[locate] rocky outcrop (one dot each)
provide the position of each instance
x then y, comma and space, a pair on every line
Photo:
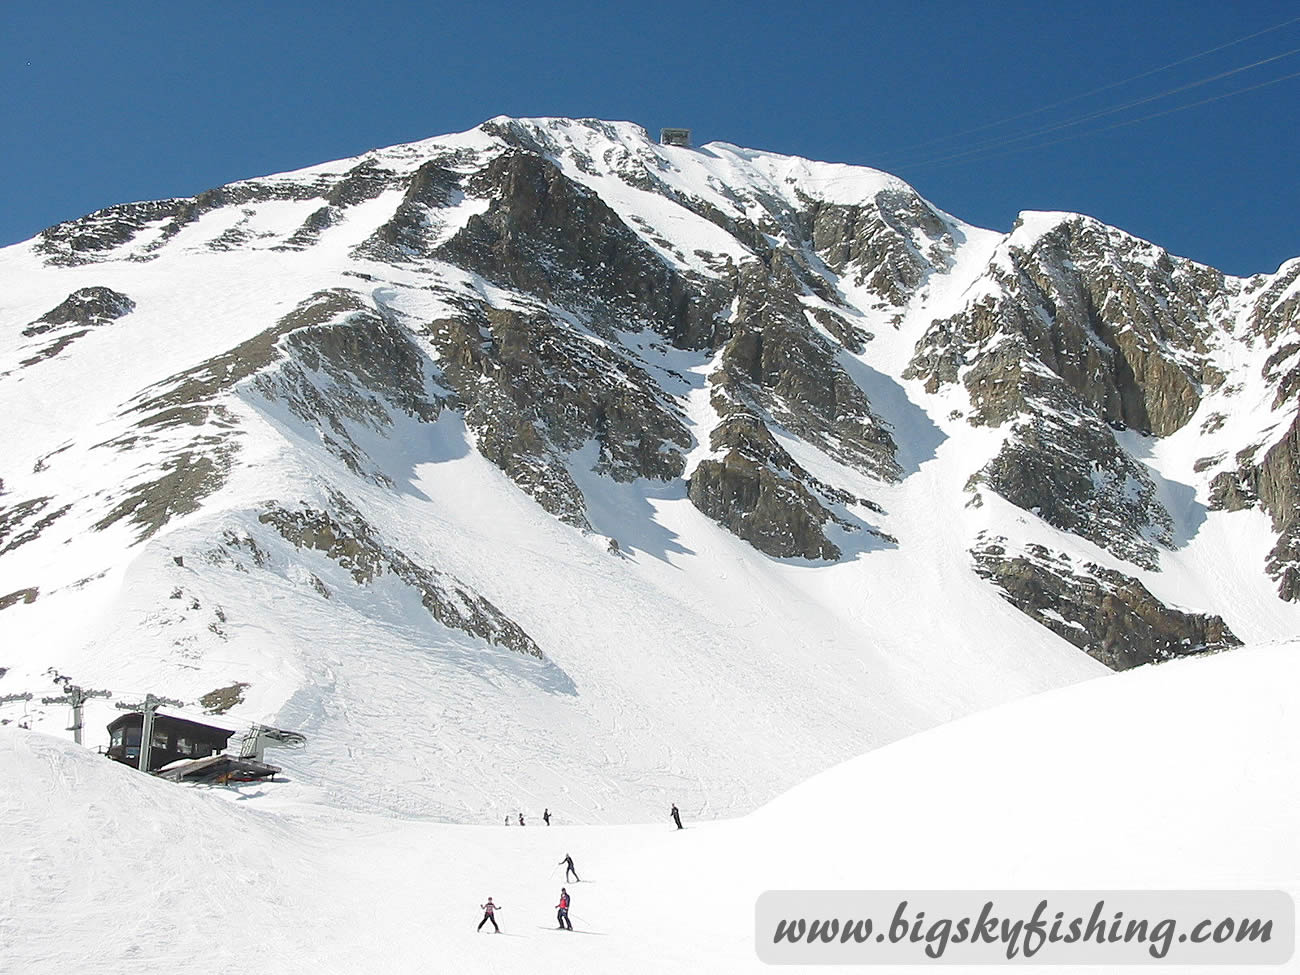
344, 536
1061, 462
106, 234
407, 234
1080, 329
330, 360
23, 522
757, 492
889, 245
174, 488
87, 307
1108, 615
95, 236
776, 364
556, 240
344, 366
774, 513
20, 597
1272, 480
1121, 322
535, 388
74, 317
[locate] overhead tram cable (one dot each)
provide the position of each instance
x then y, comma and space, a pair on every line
981, 148
1114, 125
1097, 91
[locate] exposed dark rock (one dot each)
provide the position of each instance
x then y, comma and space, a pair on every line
535, 388
310, 231
222, 699
774, 513
187, 397
759, 493
363, 182
1110, 616
1062, 463
1087, 329
186, 479
1274, 481
1233, 490
351, 365
849, 335
1119, 321
61, 341
73, 318
13, 599
345, 537
100, 235
775, 362
90, 238
1276, 309
1274, 484
233, 195
406, 234
201, 465
876, 242
547, 236
20, 524
87, 307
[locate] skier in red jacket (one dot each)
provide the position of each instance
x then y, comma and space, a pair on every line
562, 911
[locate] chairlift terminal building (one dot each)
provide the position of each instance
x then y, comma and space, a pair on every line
173, 739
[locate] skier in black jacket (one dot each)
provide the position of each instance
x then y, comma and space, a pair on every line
677, 817
568, 860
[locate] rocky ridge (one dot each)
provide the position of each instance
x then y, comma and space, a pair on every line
567, 286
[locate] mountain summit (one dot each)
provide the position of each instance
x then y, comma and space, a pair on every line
543, 461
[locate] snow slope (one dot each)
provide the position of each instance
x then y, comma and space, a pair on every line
674, 670
689, 667
1182, 776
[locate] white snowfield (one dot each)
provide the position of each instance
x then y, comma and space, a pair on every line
1181, 776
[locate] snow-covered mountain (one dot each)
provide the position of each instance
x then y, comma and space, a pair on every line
544, 465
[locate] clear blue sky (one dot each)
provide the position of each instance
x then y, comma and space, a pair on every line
103, 102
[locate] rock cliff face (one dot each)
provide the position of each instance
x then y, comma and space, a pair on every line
1081, 330
346, 538
72, 318
1108, 615
1267, 471
603, 313
1123, 324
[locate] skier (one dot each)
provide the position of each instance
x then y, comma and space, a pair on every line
677, 817
569, 869
546, 816
507, 819
521, 819
562, 911
489, 910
